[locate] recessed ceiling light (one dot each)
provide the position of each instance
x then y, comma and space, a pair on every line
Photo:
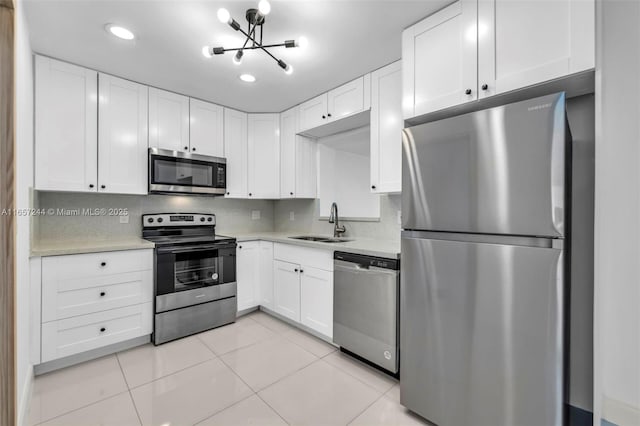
120, 32
247, 78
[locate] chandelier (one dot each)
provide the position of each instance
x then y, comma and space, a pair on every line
255, 19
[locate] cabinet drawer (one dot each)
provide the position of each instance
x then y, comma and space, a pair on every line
79, 334
70, 297
56, 268
321, 259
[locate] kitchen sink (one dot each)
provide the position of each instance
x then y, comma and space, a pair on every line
321, 239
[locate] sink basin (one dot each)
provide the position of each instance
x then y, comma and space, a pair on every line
320, 239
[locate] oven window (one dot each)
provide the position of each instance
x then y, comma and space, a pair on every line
195, 269
182, 172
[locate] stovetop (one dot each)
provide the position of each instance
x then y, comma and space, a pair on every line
181, 229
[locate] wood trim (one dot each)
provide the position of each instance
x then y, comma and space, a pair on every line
7, 223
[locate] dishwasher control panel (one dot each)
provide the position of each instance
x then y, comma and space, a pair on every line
367, 261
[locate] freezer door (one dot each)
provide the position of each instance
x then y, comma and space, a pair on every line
496, 171
481, 339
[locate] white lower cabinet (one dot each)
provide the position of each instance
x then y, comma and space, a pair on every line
286, 289
95, 299
303, 286
71, 336
254, 273
316, 300
266, 274
247, 274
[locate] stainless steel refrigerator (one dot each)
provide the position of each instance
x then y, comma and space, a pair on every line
484, 282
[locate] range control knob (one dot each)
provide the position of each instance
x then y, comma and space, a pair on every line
209, 219
214, 276
150, 220
202, 219
160, 220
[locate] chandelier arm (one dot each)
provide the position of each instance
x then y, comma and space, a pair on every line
256, 47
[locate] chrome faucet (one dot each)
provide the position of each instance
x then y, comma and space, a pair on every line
333, 218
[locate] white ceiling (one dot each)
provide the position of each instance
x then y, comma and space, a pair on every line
346, 39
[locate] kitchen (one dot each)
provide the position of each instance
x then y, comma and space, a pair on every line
209, 226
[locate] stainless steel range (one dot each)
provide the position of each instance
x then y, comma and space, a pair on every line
194, 276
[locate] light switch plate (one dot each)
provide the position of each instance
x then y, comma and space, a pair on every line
399, 217
124, 218
255, 214
292, 216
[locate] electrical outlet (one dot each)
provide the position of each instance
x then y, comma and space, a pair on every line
292, 216
124, 218
399, 217
255, 214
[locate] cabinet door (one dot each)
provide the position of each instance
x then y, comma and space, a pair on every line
439, 60
235, 148
386, 129
313, 113
66, 126
286, 289
288, 154
527, 42
306, 167
264, 155
248, 274
168, 120
266, 274
348, 99
122, 136
206, 128
316, 300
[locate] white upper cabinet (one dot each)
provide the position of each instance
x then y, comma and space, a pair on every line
386, 129
439, 57
206, 128
122, 136
313, 113
346, 100
168, 120
235, 148
349, 98
297, 159
522, 43
478, 48
66, 126
263, 155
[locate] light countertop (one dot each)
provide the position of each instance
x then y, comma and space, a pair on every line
367, 246
63, 246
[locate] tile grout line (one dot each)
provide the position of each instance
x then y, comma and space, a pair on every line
171, 374
274, 410
357, 378
135, 407
80, 408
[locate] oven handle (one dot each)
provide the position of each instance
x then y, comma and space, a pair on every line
192, 249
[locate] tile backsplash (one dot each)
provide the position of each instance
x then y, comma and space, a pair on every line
233, 216
306, 218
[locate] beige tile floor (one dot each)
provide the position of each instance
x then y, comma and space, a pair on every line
258, 371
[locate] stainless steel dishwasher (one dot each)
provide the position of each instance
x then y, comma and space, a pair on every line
365, 308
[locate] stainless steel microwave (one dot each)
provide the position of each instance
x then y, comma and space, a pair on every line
185, 173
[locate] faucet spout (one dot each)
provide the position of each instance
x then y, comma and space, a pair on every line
333, 218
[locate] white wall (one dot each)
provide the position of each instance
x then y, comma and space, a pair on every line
617, 214
344, 175
24, 180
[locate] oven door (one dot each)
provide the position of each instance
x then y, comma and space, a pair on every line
190, 275
174, 171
